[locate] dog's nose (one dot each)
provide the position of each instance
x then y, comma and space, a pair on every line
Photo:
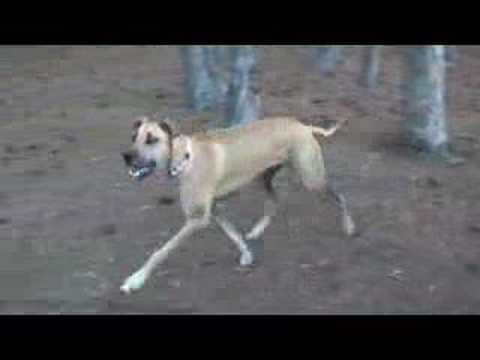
128, 158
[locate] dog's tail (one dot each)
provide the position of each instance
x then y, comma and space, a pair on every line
317, 130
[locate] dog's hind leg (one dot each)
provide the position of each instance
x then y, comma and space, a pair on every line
270, 205
348, 225
261, 225
308, 162
236, 236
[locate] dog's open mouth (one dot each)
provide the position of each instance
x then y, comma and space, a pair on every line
139, 173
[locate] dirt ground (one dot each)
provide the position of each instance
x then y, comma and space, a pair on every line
73, 226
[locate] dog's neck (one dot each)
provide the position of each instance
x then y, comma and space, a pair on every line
181, 156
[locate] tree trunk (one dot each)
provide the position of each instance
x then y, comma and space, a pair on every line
371, 66
451, 55
199, 86
327, 58
244, 103
216, 57
426, 122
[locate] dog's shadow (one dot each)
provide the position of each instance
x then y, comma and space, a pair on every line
165, 201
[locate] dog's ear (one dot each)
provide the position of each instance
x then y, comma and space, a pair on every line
139, 121
169, 126
136, 125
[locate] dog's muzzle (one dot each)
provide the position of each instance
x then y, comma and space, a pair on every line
139, 170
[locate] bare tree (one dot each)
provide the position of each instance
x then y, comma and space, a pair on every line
216, 58
370, 66
426, 117
451, 55
327, 58
244, 103
199, 85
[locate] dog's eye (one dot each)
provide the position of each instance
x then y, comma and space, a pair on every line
151, 139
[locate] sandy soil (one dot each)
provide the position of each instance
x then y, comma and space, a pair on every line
72, 225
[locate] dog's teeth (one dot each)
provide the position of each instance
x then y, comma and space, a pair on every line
134, 173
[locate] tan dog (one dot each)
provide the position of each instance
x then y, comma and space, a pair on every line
214, 164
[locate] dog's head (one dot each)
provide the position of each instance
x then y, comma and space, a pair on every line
151, 147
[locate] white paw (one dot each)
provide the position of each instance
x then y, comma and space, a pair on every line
134, 282
349, 226
246, 259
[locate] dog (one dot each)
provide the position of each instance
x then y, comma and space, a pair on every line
211, 165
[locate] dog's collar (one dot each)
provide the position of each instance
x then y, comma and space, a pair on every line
177, 170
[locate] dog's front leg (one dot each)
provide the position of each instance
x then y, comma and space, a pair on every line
138, 279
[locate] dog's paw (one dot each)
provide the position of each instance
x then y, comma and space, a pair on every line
349, 226
134, 282
246, 259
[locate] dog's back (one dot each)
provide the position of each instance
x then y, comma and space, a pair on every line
262, 127
244, 152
